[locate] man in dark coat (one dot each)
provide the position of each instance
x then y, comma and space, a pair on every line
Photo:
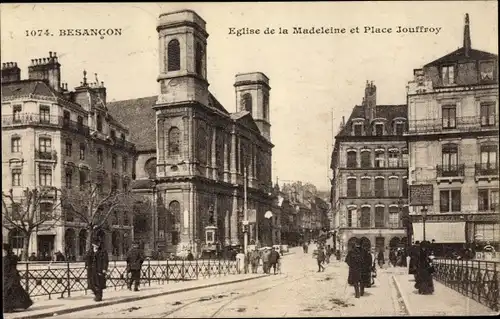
414, 252
96, 262
273, 259
354, 259
135, 258
320, 258
14, 295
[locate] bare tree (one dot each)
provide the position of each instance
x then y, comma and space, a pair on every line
36, 207
93, 207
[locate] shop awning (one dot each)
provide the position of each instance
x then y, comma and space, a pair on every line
441, 232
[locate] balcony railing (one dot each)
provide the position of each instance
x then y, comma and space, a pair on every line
45, 154
464, 123
49, 120
486, 169
450, 170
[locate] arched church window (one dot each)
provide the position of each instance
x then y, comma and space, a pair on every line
199, 59
175, 211
202, 146
174, 55
174, 140
150, 168
246, 102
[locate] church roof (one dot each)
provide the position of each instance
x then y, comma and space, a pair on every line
213, 102
238, 115
460, 55
388, 112
140, 118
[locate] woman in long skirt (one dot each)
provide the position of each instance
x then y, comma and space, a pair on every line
425, 269
14, 296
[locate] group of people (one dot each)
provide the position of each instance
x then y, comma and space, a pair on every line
323, 255
362, 270
270, 259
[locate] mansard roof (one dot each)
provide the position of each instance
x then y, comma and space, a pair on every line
460, 55
140, 118
389, 112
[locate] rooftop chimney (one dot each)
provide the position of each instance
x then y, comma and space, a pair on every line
46, 69
370, 100
10, 72
467, 41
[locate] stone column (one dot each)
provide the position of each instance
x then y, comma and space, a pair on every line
227, 149
234, 220
161, 137
234, 170
227, 226
214, 151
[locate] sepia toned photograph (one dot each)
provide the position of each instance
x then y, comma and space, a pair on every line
250, 159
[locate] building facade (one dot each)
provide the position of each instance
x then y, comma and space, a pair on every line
453, 144
58, 138
202, 153
370, 163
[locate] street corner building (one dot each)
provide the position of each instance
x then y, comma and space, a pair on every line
181, 149
369, 184
194, 156
453, 144
58, 138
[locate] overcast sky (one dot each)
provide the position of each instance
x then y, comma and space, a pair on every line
312, 76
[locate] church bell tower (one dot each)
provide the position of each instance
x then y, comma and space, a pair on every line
183, 60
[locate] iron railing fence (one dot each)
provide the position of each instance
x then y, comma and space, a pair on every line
476, 279
486, 169
45, 120
62, 278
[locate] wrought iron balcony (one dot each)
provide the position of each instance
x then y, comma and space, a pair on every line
44, 120
464, 124
45, 154
451, 170
486, 169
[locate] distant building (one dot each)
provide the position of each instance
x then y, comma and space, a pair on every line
370, 163
192, 152
61, 138
453, 143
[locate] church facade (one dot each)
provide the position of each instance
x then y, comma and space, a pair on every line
203, 154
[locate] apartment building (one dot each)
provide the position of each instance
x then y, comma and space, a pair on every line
369, 185
58, 138
453, 144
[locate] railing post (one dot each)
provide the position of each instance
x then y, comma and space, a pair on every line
149, 272
219, 268
168, 271
69, 283
182, 269
496, 294
208, 267
479, 275
27, 277
196, 265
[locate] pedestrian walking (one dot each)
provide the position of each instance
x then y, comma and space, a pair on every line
265, 260
320, 258
135, 259
304, 247
14, 296
354, 260
328, 253
274, 258
424, 283
414, 252
380, 259
32, 257
254, 260
96, 262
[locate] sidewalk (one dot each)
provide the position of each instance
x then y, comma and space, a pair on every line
48, 308
444, 302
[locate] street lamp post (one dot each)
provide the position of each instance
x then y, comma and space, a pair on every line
424, 218
268, 215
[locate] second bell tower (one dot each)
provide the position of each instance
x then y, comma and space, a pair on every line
183, 60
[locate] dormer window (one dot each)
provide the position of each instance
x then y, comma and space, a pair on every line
486, 71
399, 128
379, 129
357, 129
448, 74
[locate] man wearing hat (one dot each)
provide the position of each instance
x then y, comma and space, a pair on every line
96, 262
354, 260
135, 258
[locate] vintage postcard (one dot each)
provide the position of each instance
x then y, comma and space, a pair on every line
230, 159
